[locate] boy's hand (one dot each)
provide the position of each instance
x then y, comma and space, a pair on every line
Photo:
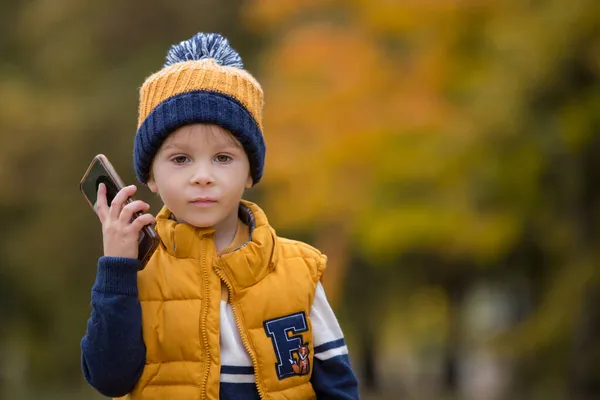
119, 233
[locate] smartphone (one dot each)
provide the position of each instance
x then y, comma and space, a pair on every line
102, 171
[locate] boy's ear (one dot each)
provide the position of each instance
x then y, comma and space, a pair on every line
152, 185
249, 182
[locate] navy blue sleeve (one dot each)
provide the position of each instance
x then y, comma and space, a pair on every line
113, 353
334, 379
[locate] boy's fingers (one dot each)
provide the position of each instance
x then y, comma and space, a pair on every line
117, 204
101, 206
141, 221
132, 208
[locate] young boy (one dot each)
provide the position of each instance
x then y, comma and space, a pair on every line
224, 308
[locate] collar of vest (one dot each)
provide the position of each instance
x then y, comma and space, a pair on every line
242, 267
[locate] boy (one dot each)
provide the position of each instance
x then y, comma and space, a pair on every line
224, 308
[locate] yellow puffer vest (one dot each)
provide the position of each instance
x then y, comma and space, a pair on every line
271, 283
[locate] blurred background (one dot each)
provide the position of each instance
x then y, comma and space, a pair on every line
445, 154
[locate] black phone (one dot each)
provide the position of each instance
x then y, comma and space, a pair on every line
102, 171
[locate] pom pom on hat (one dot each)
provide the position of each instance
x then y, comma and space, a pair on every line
204, 45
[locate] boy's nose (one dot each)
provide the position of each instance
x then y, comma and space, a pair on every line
202, 177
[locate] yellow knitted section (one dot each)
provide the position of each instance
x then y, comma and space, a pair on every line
204, 74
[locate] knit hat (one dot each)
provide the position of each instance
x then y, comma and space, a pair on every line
202, 81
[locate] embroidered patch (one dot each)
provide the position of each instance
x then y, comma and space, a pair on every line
290, 348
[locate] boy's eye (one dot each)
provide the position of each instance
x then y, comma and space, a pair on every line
179, 159
222, 158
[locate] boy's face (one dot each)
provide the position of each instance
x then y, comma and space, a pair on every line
200, 173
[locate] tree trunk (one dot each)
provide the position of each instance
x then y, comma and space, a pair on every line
585, 356
368, 357
455, 290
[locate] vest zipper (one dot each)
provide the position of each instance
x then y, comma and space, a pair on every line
242, 334
206, 299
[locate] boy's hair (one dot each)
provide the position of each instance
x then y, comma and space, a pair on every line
202, 81
230, 137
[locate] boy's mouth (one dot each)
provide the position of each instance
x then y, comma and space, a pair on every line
203, 201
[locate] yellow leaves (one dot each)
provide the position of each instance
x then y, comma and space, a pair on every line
40, 17
338, 116
409, 120
32, 121
391, 17
17, 102
324, 69
26, 106
450, 229
578, 131
267, 14
326, 95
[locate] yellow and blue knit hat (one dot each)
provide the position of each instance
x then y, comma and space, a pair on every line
202, 81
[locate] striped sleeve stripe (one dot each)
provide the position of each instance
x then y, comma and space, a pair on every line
330, 345
230, 378
237, 374
326, 355
236, 370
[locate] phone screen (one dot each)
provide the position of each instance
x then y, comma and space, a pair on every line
111, 189
96, 176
